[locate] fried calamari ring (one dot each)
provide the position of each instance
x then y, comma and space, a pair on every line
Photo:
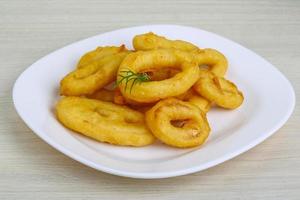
191, 129
136, 85
194, 98
99, 53
214, 60
102, 95
104, 121
150, 41
92, 77
219, 90
211, 58
157, 75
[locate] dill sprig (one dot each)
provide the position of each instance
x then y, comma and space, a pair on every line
135, 78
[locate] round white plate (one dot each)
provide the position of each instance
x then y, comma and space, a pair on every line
269, 101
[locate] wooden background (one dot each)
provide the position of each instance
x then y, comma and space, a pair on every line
31, 169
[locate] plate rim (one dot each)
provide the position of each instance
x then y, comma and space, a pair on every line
156, 175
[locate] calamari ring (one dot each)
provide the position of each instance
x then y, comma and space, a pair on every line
157, 75
98, 53
103, 95
219, 90
104, 121
213, 59
152, 91
191, 130
150, 41
92, 77
194, 98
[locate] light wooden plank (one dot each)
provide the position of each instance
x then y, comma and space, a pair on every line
31, 169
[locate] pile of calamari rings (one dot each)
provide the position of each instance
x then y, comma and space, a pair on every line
160, 91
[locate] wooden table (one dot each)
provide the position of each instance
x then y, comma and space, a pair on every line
31, 169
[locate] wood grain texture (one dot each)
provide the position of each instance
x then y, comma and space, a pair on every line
31, 169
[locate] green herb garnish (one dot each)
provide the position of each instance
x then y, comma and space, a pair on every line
135, 78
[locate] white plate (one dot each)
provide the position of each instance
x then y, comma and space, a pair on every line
269, 101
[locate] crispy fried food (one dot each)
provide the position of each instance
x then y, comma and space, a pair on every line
98, 53
163, 86
92, 77
150, 41
212, 59
219, 90
135, 84
194, 98
102, 95
178, 123
104, 121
